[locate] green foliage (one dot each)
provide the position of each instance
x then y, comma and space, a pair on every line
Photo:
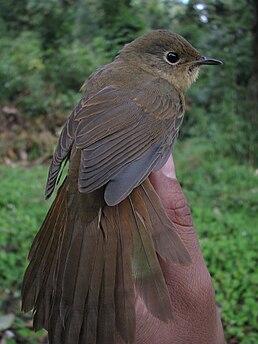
21, 69
125, 29
52, 20
67, 68
22, 208
223, 93
39, 85
224, 199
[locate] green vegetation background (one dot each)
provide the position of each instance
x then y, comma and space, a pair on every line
49, 48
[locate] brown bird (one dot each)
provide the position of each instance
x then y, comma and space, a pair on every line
99, 243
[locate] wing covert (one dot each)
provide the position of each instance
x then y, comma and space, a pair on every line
123, 135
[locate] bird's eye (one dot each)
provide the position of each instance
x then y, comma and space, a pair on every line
172, 57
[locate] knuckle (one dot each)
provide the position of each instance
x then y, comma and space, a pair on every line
180, 212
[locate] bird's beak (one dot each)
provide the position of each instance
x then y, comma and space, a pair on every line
207, 61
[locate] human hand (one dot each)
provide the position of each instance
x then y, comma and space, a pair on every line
195, 316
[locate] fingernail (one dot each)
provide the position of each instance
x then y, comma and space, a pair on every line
169, 170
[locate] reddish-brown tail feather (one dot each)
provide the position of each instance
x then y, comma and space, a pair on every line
85, 270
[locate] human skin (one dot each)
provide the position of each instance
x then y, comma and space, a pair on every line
196, 319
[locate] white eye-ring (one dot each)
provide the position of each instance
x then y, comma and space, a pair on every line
171, 57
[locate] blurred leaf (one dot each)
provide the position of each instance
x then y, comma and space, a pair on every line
6, 321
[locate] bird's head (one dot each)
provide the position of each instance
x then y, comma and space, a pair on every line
168, 55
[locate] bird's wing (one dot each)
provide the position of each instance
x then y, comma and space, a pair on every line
124, 135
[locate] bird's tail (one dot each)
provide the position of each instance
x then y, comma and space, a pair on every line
83, 276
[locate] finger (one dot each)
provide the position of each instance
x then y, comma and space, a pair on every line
174, 201
180, 278
190, 287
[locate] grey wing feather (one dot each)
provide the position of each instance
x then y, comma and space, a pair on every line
124, 140
123, 135
130, 177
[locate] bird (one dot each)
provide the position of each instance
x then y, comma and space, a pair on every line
100, 243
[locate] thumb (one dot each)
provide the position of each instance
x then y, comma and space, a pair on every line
175, 203
190, 287
181, 280
173, 199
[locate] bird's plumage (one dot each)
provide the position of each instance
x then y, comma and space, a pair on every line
98, 245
